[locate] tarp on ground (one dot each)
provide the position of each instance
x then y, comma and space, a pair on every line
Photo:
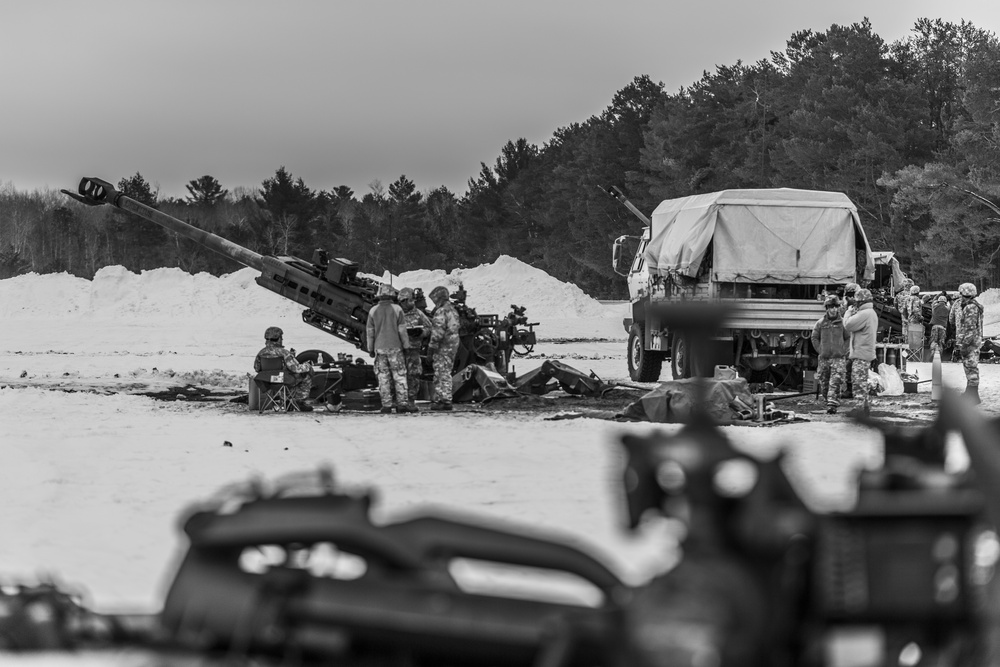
553, 375
766, 235
674, 401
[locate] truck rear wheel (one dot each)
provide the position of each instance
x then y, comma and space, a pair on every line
680, 357
643, 365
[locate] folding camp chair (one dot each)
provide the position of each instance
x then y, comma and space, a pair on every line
275, 384
915, 349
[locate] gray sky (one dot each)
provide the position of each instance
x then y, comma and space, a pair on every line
353, 92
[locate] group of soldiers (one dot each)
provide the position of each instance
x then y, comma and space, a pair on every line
845, 338
396, 334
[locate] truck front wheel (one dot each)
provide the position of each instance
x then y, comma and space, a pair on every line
643, 365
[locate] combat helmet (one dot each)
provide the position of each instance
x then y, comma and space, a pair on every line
385, 291
915, 289
863, 296
273, 334
832, 302
440, 294
967, 289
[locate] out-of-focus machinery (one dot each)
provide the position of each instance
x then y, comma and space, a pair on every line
336, 298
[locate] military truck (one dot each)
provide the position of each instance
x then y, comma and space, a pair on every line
770, 254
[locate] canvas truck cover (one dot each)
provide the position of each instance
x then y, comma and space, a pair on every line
776, 235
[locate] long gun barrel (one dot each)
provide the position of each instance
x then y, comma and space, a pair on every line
620, 196
336, 299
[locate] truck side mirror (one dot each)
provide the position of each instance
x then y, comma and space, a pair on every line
616, 256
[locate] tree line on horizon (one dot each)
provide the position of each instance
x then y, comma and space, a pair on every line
910, 131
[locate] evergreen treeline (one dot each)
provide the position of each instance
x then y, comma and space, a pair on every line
909, 130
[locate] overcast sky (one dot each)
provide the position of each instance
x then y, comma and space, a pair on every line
346, 93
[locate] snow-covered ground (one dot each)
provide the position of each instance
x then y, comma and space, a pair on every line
95, 479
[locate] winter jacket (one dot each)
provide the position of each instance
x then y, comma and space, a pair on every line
939, 315
386, 328
969, 326
830, 338
862, 324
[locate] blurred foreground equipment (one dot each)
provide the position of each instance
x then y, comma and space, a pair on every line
765, 581
336, 298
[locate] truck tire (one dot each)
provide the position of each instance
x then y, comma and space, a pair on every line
680, 357
643, 365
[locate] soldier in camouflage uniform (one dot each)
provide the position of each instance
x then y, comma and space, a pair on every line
387, 342
861, 322
418, 328
969, 337
443, 346
913, 308
902, 297
274, 348
850, 290
831, 340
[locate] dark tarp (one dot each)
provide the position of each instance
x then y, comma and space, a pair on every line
553, 375
673, 402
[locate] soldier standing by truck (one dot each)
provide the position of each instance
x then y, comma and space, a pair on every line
969, 337
832, 342
861, 321
443, 346
418, 328
387, 341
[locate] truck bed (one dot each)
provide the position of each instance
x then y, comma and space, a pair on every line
764, 314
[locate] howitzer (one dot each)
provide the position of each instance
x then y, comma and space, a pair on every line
337, 300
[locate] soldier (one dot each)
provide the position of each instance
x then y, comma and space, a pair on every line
861, 321
913, 307
418, 328
387, 341
939, 323
443, 346
969, 337
850, 290
902, 296
274, 348
832, 341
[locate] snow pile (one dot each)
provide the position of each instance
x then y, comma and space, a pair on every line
118, 294
492, 288
990, 297
48, 295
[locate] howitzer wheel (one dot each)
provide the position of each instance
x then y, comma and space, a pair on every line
484, 345
521, 348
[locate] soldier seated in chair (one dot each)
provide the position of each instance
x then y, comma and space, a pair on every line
274, 348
